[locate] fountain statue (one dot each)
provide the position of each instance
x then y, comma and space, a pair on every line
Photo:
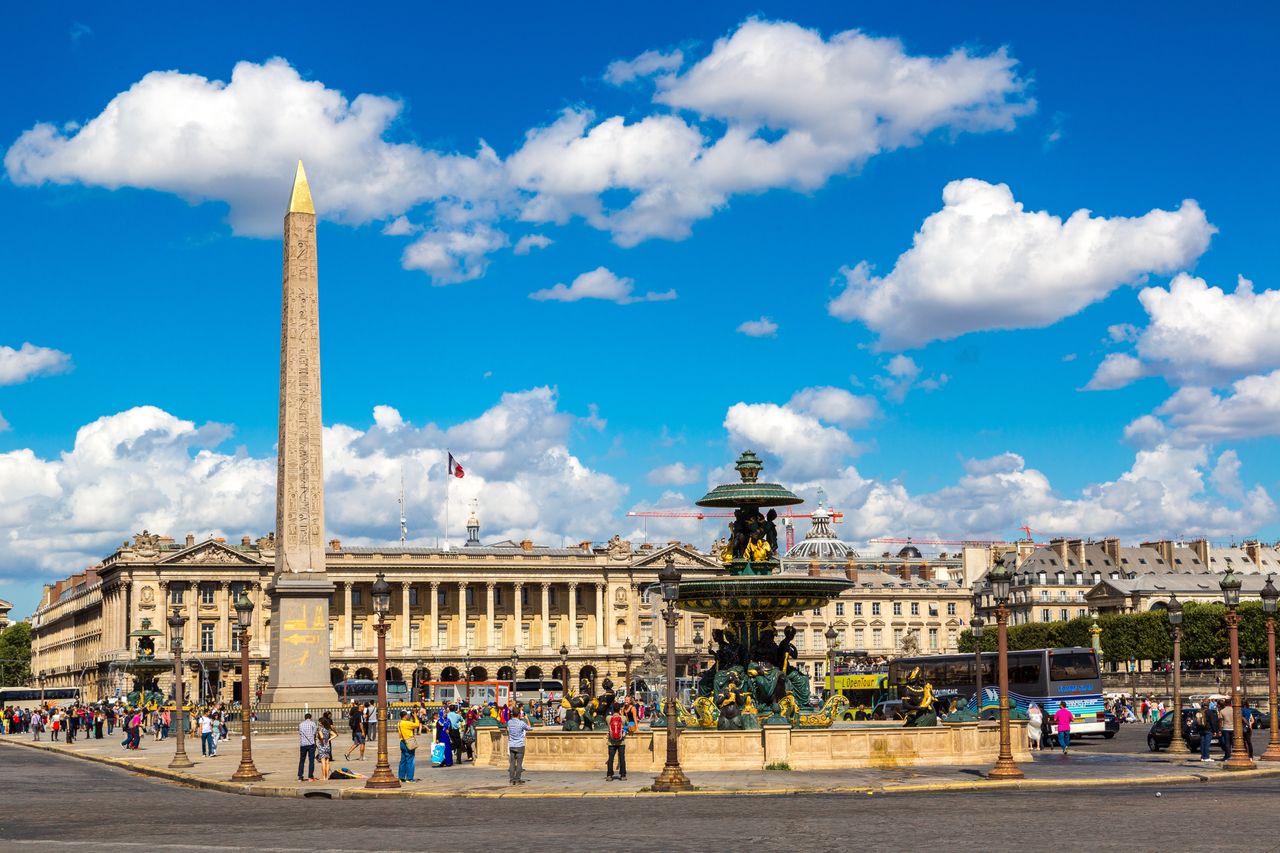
146, 669
754, 680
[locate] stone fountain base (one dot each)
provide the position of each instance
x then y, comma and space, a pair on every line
857, 746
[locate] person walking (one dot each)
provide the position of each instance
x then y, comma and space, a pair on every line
1207, 723
1227, 726
208, 746
324, 743
1248, 719
617, 745
455, 733
442, 741
355, 719
517, 728
1035, 721
1063, 717
409, 728
370, 721
307, 748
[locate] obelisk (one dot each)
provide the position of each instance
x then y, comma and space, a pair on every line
300, 589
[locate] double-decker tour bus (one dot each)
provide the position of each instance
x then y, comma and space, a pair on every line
861, 679
1043, 676
31, 697
366, 690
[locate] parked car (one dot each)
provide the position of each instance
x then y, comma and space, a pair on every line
1160, 736
1112, 725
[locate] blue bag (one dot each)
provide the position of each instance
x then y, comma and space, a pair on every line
437, 752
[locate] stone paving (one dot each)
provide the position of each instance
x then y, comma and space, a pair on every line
276, 757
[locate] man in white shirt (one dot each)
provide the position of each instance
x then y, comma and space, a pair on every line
207, 745
517, 727
307, 747
370, 720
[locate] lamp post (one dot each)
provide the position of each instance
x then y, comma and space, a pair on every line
515, 667
671, 778
1001, 579
1269, 597
1174, 612
466, 666
382, 776
564, 670
626, 658
976, 624
246, 772
1230, 585
180, 760
419, 681
345, 670
698, 640
832, 640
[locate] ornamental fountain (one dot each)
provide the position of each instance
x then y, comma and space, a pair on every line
754, 680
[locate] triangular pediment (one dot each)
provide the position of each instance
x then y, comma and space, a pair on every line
684, 557
211, 553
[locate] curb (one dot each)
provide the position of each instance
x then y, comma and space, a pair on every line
976, 785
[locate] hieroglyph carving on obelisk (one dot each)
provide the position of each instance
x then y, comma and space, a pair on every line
300, 471
300, 589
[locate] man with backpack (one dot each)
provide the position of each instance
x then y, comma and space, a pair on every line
617, 744
1209, 725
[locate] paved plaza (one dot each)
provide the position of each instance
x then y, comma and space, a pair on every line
67, 804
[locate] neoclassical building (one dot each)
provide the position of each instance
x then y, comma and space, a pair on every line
476, 604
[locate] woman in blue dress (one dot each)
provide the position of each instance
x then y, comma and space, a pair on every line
443, 736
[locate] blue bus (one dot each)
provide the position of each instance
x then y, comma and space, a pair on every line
1043, 676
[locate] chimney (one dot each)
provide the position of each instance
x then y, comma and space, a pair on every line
221, 539
526, 545
244, 541
1111, 547
1059, 547
1163, 547
851, 571
904, 572
1201, 547
585, 545
1077, 551
335, 544
191, 539
814, 569
1254, 550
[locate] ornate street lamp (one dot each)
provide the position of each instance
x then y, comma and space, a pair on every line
382, 776
1001, 580
515, 668
1270, 595
1230, 585
698, 640
1174, 613
564, 670
466, 667
176, 623
833, 640
246, 772
627, 657
419, 680
671, 778
976, 624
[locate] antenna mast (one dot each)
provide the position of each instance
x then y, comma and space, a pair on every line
404, 528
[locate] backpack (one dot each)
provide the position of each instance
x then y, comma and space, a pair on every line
616, 728
1200, 719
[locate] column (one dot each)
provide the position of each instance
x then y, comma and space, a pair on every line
404, 614
488, 617
546, 616
223, 643
162, 595
573, 617
261, 610
344, 642
462, 615
433, 624
600, 618
517, 589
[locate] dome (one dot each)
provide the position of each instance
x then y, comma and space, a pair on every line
820, 543
911, 552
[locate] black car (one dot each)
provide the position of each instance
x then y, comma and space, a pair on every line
1161, 733
1112, 725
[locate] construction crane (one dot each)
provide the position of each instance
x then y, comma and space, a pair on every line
836, 518
910, 541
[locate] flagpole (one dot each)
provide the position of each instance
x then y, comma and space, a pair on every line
448, 475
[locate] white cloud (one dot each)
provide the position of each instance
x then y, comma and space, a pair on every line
400, 227
647, 64
983, 262
146, 468
1250, 409
1117, 370
599, 283
451, 256
529, 242
674, 474
1122, 333
806, 447
1226, 475
902, 375
30, 361
762, 328
835, 406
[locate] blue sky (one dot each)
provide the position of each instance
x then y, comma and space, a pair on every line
1002, 358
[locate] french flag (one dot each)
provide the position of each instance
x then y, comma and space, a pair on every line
454, 468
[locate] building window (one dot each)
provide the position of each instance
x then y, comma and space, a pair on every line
497, 595
1046, 615
471, 597
442, 597
1062, 614
553, 634
357, 599
646, 632
877, 638
235, 638
915, 608
471, 635
581, 633
206, 636
577, 596
951, 608
1044, 595
897, 608
551, 596
413, 596
858, 638
413, 636
897, 638
1079, 612
645, 593
175, 593
524, 635
357, 636
442, 636
875, 608
817, 611
800, 641
524, 596
951, 639
933, 638
819, 640
497, 634
206, 594
1062, 595
839, 608
857, 608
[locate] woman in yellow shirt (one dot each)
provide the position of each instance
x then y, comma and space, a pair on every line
409, 727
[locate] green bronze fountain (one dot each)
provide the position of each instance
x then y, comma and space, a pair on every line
754, 680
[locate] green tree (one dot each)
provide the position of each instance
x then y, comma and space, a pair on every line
15, 654
1204, 631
